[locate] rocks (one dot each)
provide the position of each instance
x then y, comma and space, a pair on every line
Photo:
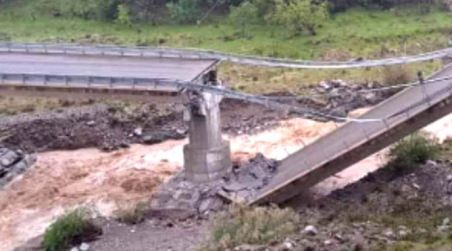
447, 5
249, 178
12, 164
310, 230
389, 234
138, 131
181, 199
160, 136
341, 97
84, 247
402, 233
247, 247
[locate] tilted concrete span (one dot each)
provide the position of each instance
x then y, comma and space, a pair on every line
400, 116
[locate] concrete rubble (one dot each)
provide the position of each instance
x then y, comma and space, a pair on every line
180, 198
249, 178
12, 164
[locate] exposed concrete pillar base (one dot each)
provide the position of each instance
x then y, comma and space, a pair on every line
207, 165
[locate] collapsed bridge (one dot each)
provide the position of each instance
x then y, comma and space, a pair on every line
190, 77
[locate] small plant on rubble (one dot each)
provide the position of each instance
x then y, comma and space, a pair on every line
70, 229
412, 151
252, 225
397, 75
132, 214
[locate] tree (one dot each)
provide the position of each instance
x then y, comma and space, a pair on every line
123, 16
242, 16
300, 15
184, 11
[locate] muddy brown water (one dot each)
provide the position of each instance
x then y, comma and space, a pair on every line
61, 180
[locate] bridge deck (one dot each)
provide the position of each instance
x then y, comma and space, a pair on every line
355, 141
103, 66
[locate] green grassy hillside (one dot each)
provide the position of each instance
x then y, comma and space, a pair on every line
347, 35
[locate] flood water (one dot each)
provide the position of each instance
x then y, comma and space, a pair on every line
61, 180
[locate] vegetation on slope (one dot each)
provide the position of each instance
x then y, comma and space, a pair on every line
70, 229
355, 33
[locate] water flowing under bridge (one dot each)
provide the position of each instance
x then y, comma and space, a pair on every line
143, 72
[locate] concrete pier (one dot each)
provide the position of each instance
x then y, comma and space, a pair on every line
207, 157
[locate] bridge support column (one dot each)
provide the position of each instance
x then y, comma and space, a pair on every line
207, 157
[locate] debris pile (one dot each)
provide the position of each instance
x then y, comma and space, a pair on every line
180, 199
12, 164
341, 97
246, 180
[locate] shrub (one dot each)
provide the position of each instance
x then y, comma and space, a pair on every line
242, 16
132, 215
396, 75
123, 16
70, 229
259, 225
87, 9
184, 11
300, 15
412, 151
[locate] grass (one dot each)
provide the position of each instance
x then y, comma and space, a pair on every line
413, 151
132, 215
70, 229
254, 226
352, 34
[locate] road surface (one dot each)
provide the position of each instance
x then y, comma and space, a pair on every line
104, 66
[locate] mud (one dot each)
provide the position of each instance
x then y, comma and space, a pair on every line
101, 126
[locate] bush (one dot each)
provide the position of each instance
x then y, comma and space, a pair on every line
412, 151
123, 16
86, 9
396, 75
259, 225
69, 230
242, 16
299, 15
184, 11
132, 215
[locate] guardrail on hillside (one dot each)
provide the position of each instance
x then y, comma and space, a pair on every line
112, 50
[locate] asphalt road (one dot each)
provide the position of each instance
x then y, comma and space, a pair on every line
105, 66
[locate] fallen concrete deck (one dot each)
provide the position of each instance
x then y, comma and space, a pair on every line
401, 115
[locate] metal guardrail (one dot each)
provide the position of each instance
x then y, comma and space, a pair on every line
112, 50
168, 85
114, 83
